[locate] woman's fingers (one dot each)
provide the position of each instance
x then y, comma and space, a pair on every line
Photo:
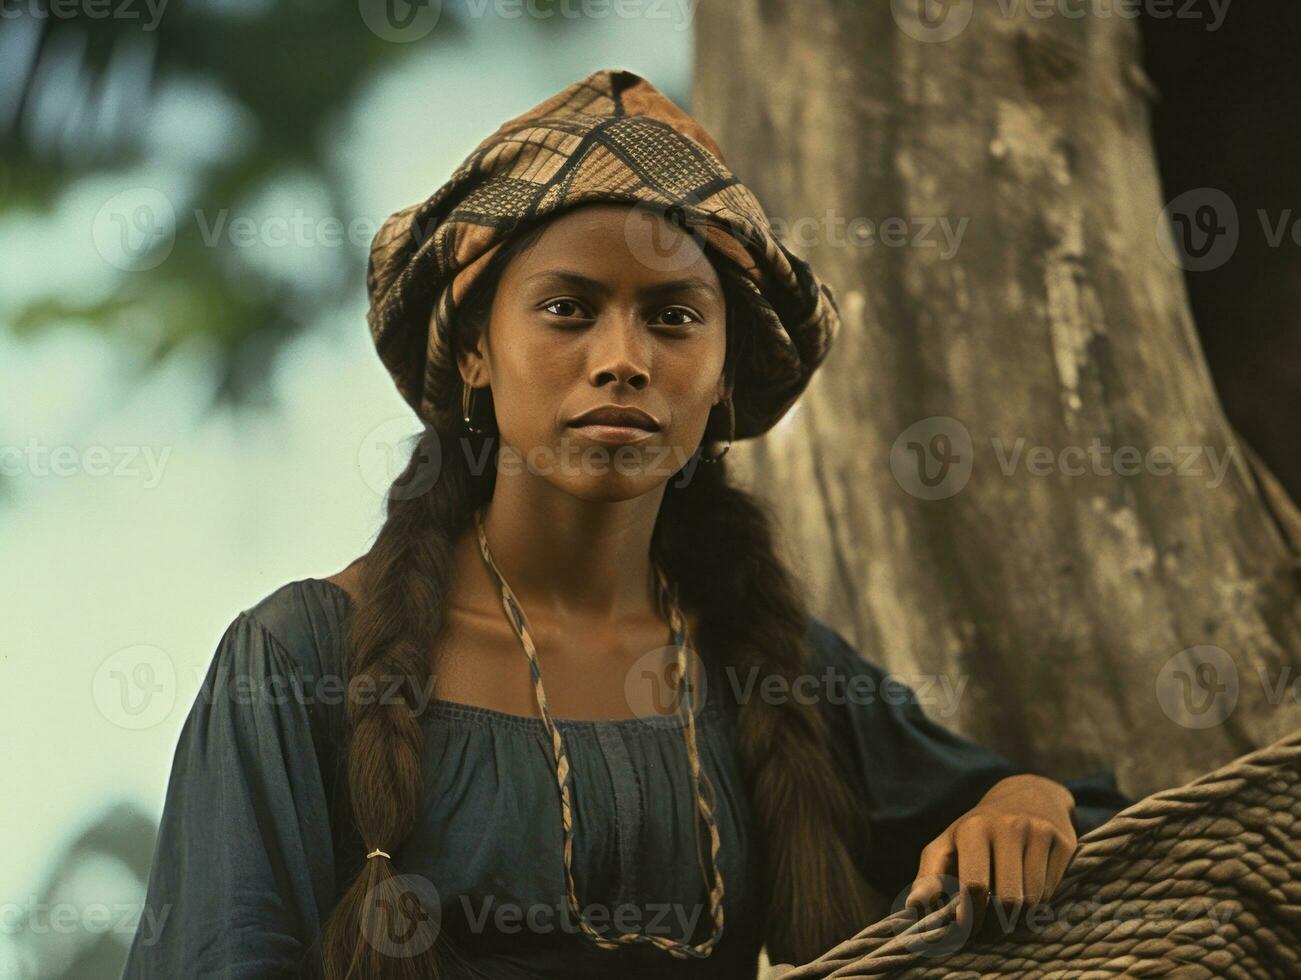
1009, 879
973, 845
1013, 863
1036, 868
1059, 858
935, 861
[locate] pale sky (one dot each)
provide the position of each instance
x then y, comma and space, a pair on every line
198, 518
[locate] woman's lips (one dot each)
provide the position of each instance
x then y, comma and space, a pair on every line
618, 435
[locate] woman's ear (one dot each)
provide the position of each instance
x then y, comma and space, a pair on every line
473, 368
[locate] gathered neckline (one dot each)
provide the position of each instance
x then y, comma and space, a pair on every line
442, 707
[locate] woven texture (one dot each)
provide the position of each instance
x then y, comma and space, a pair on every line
610, 137
1199, 881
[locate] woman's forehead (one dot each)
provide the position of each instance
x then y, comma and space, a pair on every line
611, 242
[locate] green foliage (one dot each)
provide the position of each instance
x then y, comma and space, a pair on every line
290, 67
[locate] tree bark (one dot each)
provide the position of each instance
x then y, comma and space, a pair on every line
1061, 591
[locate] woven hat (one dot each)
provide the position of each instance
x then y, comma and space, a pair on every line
610, 137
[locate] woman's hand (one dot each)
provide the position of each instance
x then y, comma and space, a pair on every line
1013, 846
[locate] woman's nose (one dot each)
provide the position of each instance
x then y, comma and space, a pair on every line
620, 349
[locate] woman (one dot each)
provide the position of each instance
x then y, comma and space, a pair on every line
591, 296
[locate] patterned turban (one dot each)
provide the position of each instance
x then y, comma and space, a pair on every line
610, 137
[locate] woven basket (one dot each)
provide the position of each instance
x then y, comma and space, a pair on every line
1199, 881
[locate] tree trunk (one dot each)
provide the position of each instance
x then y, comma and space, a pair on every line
1065, 585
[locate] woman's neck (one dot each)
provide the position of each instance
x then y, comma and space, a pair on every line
564, 556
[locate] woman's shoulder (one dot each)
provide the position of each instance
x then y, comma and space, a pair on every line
306, 618
829, 647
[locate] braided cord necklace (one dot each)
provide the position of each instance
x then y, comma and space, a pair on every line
667, 596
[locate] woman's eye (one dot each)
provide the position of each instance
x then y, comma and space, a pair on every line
679, 312
564, 303
568, 308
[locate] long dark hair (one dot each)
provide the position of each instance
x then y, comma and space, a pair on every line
716, 542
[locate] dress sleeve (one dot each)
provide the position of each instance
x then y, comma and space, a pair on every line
243, 866
913, 775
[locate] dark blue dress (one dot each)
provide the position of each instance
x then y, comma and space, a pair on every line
255, 843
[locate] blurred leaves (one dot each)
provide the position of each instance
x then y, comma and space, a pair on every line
106, 864
86, 95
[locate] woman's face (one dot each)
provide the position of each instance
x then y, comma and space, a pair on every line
610, 306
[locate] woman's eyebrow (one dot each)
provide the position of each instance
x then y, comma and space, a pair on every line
578, 280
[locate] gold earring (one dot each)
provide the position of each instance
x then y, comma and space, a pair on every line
467, 393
